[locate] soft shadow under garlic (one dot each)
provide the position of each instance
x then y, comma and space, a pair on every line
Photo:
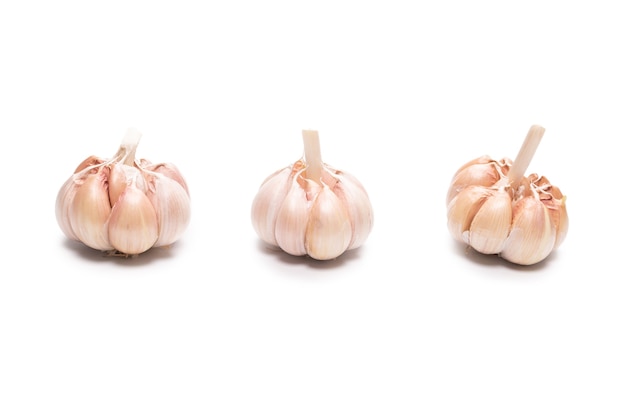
96, 256
494, 260
288, 259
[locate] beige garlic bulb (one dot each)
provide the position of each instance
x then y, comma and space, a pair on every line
310, 208
123, 205
495, 209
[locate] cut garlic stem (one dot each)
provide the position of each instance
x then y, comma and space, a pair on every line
312, 156
525, 154
129, 145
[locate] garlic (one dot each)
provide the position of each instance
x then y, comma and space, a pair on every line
310, 208
122, 205
495, 209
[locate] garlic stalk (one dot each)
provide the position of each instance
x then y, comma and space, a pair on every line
310, 208
123, 205
495, 209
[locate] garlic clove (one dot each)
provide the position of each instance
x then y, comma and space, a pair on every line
328, 230
117, 183
463, 208
66, 195
560, 219
554, 201
532, 234
491, 225
291, 221
481, 171
121, 176
90, 209
171, 203
355, 198
267, 203
483, 159
168, 170
133, 225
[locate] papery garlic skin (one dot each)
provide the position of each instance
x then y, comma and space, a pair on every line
122, 205
523, 219
321, 215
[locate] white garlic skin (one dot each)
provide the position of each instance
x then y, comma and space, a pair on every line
124, 208
304, 217
522, 223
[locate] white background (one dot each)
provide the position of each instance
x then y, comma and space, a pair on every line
402, 94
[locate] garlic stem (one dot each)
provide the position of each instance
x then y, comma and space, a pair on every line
312, 156
525, 154
129, 146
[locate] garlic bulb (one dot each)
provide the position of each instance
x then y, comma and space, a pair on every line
122, 205
495, 209
310, 208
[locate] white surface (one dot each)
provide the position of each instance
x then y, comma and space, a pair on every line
402, 94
